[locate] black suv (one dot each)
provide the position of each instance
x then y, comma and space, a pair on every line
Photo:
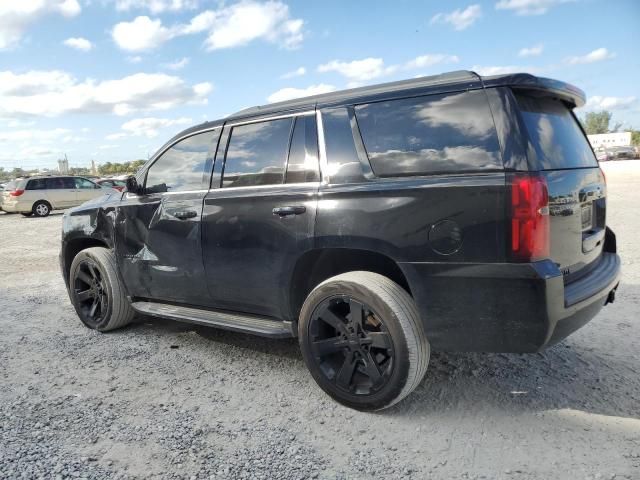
454, 212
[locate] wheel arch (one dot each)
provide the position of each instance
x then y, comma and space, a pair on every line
72, 248
317, 265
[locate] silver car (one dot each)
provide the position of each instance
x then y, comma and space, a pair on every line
40, 195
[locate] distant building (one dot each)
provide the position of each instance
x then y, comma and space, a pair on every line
94, 168
63, 166
615, 139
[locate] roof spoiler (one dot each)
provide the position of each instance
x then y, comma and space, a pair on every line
542, 85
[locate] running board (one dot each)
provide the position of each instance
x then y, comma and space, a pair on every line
263, 326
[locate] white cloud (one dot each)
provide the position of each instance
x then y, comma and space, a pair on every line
134, 59
228, 27
459, 19
156, 6
596, 55
533, 51
17, 15
358, 70
502, 69
298, 72
52, 92
149, 126
42, 136
141, 34
289, 92
78, 43
20, 123
609, 103
178, 64
424, 61
115, 136
529, 7
246, 21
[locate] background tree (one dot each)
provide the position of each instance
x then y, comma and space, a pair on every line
597, 122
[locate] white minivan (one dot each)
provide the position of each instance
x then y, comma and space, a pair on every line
40, 195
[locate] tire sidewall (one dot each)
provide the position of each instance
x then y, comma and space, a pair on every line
75, 265
361, 293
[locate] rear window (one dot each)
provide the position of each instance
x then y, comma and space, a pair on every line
433, 134
555, 134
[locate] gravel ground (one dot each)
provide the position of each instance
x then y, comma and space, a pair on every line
166, 400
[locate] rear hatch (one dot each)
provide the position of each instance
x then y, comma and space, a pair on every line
8, 188
575, 183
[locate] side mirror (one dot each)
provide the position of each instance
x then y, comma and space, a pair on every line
132, 185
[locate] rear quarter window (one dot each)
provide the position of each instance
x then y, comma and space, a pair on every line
448, 133
555, 135
37, 184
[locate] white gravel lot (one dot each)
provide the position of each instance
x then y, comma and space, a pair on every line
168, 400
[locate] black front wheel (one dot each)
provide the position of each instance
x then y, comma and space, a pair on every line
96, 290
362, 340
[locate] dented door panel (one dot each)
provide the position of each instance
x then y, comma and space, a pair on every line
159, 248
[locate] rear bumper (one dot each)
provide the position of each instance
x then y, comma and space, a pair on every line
507, 307
15, 207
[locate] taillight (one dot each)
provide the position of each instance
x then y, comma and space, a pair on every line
529, 218
16, 193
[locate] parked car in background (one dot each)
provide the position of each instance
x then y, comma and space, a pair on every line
39, 195
113, 183
622, 153
603, 155
374, 224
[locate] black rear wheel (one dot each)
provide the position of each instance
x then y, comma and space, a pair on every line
362, 340
351, 345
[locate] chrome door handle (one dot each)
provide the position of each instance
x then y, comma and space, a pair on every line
183, 215
289, 210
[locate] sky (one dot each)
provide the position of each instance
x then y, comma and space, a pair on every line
112, 80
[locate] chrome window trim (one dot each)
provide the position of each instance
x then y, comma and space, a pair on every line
268, 119
270, 186
322, 150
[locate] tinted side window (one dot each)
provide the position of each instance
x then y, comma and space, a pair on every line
84, 183
303, 154
60, 183
342, 156
37, 184
257, 154
181, 167
555, 134
433, 134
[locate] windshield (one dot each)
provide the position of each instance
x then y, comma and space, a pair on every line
556, 135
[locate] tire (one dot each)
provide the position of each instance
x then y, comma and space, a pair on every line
370, 360
94, 280
41, 209
27, 214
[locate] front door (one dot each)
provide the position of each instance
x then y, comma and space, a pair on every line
260, 219
158, 232
87, 190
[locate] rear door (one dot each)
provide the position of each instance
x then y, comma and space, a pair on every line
158, 232
577, 189
259, 219
61, 192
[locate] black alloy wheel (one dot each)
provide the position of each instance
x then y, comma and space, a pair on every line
91, 292
351, 345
